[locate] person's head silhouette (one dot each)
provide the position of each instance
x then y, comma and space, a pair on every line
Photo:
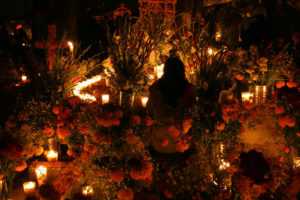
174, 68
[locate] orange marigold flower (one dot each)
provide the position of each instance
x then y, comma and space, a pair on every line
38, 150
135, 119
291, 84
62, 132
168, 194
57, 109
21, 166
239, 77
165, 142
129, 131
117, 175
186, 125
225, 117
285, 149
74, 100
282, 122
220, 126
140, 169
298, 134
290, 120
1, 176
182, 145
148, 121
280, 84
48, 131
115, 122
173, 131
126, 194
279, 110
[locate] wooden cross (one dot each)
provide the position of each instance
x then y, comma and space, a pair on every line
50, 44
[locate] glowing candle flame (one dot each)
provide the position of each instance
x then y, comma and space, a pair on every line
144, 101
51, 155
71, 46
41, 174
88, 190
24, 78
247, 96
29, 187
80, 86
105, 98
159, 70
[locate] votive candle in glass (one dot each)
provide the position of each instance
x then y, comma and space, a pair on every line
144, 101
105, 98
29, 188
51, 155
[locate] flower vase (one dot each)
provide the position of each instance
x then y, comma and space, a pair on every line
260, 94
126, 98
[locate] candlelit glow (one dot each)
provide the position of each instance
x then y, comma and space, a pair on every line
51, 155
41, 174
80, 86
24, 78
296, 162
105, 98
29, 187
223, 164
71, 46
210, 51
260, 95
159, 70
247, 97
218, 36
144, 101
88, 190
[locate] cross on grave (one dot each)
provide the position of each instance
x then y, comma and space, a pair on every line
50, 44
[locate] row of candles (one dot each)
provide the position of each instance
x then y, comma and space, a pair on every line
259, 96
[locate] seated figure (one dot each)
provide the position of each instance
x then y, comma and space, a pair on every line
169, 97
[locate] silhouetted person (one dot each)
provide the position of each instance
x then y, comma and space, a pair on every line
169, 97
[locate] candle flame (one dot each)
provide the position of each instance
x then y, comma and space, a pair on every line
80, 86
70, 44
41, 171
210, 51
29, 185
88, 190
24, 78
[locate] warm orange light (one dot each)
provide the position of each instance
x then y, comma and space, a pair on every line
105, 98
87, 191
29, 187
144, 101
80, 86
247, 97
41, 174
159, 70
24, 78
51, 155
71, 46
210, 51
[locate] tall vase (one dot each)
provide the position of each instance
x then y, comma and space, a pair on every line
260, 94
126, 98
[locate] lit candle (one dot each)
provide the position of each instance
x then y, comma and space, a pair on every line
159, 70
105, 98
29, 188
218, 36
51, 155
144, 101
71, 46
87, 191
210, 51
247, 97
24, 78
296, 162
41, 174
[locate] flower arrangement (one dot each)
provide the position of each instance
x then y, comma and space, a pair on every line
129, 50
261, 68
